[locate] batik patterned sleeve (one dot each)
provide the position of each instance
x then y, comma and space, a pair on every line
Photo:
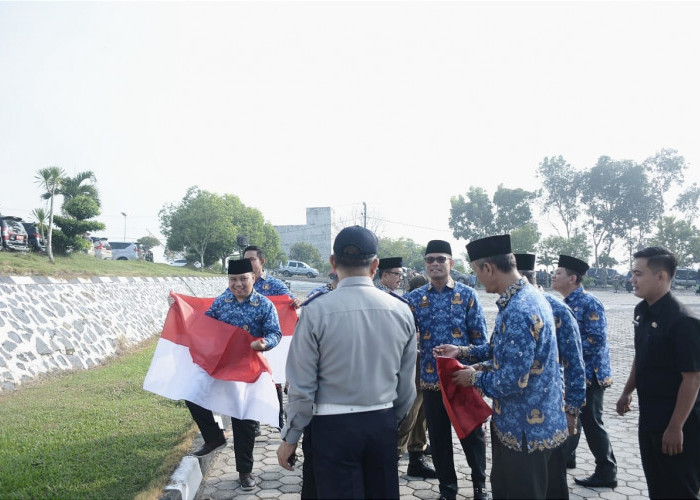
571, 357
595, 330
514, 342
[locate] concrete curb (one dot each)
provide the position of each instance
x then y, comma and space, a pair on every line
187, 478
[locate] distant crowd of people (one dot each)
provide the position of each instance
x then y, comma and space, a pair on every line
364, 385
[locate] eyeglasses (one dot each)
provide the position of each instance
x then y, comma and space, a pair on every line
440, 260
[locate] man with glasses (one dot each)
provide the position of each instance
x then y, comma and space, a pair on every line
447, 312
390, 272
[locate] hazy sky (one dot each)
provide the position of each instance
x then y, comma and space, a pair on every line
299, 104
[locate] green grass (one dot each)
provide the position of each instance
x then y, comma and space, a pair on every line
83, 266
91, 434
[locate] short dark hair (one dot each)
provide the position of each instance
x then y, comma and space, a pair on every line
259, 251
571, 272
351, 263
504, 262
659, 259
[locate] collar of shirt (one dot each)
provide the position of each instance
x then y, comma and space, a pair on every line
450, 284
503, 300
656, 309
355, 280
575, 294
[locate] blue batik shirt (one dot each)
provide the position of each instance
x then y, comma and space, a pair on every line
570, 356
451, 316
267, 285
256, 315
590, 315
524, 380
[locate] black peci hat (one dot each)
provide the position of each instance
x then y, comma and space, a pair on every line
489, 247
390, 262
241, 266
576, 265
438, 246
355, 242
525, 261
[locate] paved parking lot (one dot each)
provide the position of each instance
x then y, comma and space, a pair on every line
221, 479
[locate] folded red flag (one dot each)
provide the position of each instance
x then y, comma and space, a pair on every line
465, 406
222, 350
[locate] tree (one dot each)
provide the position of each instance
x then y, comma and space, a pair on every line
50, 179
524, 239
42, 222
551, 247
560, 184
512, 209
687, 201
411, 252
148, 242
306, 252
207, 225
199, 220
82, 184
472, 217
680, 237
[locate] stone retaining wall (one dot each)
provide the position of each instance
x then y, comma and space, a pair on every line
48, 324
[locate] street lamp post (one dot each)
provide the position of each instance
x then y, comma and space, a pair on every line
124, 214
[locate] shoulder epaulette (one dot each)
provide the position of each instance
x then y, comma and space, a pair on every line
315, 296
393, 294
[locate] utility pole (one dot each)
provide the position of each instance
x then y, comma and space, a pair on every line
364, 213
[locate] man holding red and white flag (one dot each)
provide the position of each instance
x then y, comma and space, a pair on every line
213, 360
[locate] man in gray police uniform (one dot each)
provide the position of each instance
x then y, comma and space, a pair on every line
351, 366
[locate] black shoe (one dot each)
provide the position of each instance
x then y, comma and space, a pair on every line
257, 429
480, 493
247, 481
418, 467
207, 448
596, 481
571, 463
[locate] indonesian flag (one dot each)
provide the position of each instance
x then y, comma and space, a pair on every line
465, 406
277, 357
210, 363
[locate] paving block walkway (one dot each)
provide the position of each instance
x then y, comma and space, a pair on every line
221, 479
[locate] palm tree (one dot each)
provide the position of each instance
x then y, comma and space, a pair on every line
80, 184
50, 179
41, 221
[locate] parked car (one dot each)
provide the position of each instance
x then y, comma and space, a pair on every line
36, 242
297, 268
123, 250
597, 274
103, 250
13, 235
684, 277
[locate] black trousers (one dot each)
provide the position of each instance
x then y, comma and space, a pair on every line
440, 432
354, 455
591, 419
243, 434
205, 421
519, 474
308, 480
676, 476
